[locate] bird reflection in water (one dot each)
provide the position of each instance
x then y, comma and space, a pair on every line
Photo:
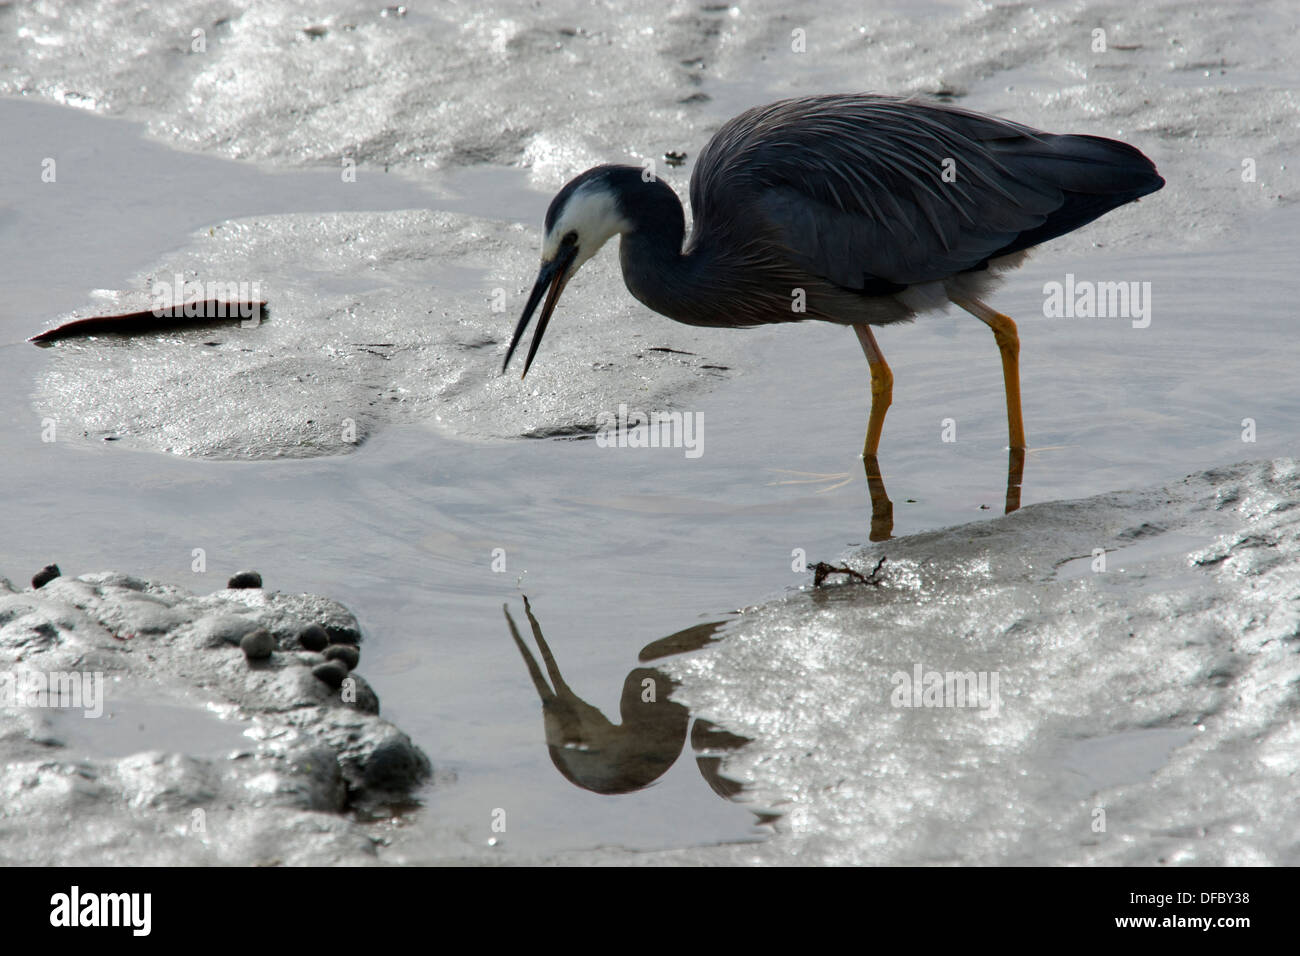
882, 509
594, 753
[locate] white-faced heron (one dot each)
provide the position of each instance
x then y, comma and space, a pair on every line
875, 207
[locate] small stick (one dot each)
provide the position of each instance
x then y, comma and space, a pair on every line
822, 570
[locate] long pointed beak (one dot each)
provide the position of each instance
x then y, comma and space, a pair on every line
553, 275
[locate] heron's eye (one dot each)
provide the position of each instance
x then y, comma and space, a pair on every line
570, 238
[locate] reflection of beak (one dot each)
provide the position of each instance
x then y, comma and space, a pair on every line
553, 274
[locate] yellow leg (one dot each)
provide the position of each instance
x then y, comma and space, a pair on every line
1008, 339
882, 389
1015, 477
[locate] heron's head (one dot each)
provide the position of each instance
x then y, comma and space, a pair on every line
582, 217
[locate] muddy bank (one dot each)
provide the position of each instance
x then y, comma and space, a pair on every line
373, 319
1134, 696
144, 724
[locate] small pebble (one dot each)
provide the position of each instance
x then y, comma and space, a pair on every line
331, 672
45, 575
313, 637
257, 645
344, 653
245, 579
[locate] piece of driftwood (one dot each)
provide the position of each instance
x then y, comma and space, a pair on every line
821, 571
184, 316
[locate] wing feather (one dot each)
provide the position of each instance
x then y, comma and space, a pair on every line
851, 188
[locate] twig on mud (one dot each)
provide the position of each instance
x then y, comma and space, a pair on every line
822, 570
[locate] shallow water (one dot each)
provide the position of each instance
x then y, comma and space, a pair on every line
615, 548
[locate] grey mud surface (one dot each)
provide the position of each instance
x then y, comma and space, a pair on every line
374, 318
1155, 693
1158, 696
394, 318
284, 766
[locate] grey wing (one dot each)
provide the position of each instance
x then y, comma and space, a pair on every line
865, 190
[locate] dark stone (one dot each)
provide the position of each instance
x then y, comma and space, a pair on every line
344, 654
395, 764
313, 637
45, 575
331, 673
245, 579
257, 645
343, 635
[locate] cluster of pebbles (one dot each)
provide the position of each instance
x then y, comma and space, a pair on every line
340, 652
339, 649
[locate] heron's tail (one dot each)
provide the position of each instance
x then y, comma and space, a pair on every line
1092, 165
1094, 174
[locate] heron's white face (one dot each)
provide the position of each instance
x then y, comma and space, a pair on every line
592, 215
581, 218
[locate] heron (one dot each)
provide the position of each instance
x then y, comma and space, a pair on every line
859, 209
